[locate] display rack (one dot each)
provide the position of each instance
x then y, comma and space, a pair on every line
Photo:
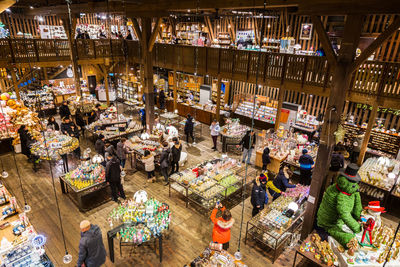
224, 40
42, 101
127, 90
386, 142
274, 225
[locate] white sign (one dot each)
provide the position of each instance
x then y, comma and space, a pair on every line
52, 32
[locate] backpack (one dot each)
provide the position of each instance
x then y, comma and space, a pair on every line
335, 162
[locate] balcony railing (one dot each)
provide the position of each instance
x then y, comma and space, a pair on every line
251, 66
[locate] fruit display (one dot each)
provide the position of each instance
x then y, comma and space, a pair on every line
380, 172
86, 175
143, 220
55, 145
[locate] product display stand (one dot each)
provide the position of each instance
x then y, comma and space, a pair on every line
307, 254
274, 238
87, 198
113, 234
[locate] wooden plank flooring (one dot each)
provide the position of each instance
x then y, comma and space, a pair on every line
190, 231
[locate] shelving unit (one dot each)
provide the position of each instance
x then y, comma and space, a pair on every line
188, 32
386, 142
42, 97
224, 39
264, 112
186, 83
126, 90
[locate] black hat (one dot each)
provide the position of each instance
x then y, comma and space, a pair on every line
101, 136
351, 173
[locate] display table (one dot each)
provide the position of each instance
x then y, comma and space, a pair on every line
272, 227
209, 182
169, 118
86, 186
307, 254
232, 133
138, 146
143, 220
222, 258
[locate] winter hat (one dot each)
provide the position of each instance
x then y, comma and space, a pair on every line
263, 178
101, 136
304, 151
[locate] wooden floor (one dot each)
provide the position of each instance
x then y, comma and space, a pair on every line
190, 231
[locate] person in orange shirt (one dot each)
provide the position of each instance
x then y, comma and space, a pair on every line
222, 226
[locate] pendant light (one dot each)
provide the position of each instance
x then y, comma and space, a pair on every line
4, 173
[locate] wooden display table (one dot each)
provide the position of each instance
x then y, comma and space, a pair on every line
306, 254
275, 164
89, 197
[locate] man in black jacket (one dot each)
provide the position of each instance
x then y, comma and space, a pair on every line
113, 177
258, 195
164, 162
189, 128
246, 147
91, 248
64, 110
69, 128
265, 158
99, 145
176, 150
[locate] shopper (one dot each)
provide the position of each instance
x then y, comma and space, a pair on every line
259, 195
149, 167
80, 121
129, 35
189, 128
113, 177
281, 182
164, 162
52, 124
215, 129
26, 141
222, 226
265, 158
79, 34
99, 145
142, 113
86, 35
91, 248
337, 163
161, 98
109, 150
92, 116
357, 142
176, 150
64, 110
68, 127
306, 164
101, 35
247, 148
122, 151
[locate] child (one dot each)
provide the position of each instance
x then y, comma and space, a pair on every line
148, 161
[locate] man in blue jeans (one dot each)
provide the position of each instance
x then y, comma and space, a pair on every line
306, 164
249, 137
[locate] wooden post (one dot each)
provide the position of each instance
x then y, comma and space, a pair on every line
15, 82
105, 75
148, 72
175, 91
70, 31
281, 95
340, 84
371, 121
218, 108
45, 73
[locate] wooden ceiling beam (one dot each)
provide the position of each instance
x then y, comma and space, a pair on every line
324, 39
4, 4
392, 28
57, 73
136, 29
154, 34
210, 29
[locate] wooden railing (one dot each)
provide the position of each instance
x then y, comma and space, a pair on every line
250, 66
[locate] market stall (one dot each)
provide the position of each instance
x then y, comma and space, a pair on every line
211, 181
140, 220
138, 146
54, 146
216, 257
232, 133
86, 185
276, 224
20, 245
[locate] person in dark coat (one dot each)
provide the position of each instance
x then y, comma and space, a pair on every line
52, 124
306, 164
161, 98
245, 143
176, 150
80, 121
129, 36
69, 128
113, 177
189, 125
281, 182
64, 110
26, 141
265, 159
92, 117
164, 162
122, 151
258, 195
337, 163
91, 248
142, 113
99, 145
